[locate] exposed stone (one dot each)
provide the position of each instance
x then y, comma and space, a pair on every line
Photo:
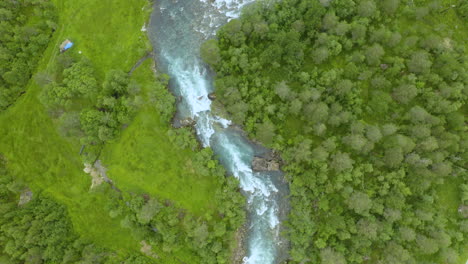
384, 66
447, 43
187, 122
463, 210
25, 196
265, 164
96, 178
97, 173
212, 96
147, 250
239, 252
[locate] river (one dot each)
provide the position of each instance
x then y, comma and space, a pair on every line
177, 29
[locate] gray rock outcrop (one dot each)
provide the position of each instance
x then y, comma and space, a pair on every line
187, 122
212, 96
266, 163
25, 196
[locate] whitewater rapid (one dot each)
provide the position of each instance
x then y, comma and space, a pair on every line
178, 28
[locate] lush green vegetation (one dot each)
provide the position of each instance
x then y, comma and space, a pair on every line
40, 230
25, 30
29, 139
178, 234
84, 109
147, 150
366, 101
97, 114
167, 192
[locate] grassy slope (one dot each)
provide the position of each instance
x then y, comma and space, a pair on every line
46, 162
142, 160
29, 140
107, 32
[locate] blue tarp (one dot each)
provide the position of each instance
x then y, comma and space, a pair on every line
68, 45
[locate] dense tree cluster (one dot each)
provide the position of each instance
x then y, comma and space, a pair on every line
366, 102
41, 232
95, 113
173, 230
25, 30
462, 8
162, 99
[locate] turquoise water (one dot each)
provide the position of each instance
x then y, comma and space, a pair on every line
178, 27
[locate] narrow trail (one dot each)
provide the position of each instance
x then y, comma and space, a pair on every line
148, 55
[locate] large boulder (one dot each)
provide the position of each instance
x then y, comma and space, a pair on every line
187, 122
25, 196
265, 164
212, 96
463, 210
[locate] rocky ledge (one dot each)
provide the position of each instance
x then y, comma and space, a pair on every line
268, 162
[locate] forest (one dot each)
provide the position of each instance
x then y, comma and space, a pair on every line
95, 113
40, 230
25, 30
366, 102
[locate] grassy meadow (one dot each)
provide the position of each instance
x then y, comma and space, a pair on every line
142, 160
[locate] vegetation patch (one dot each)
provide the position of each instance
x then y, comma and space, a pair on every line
26, 27
366, 101
84, 104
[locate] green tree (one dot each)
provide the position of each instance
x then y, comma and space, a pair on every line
283, 90
374, 53
79, 79
359, 202
330, 256
420, 62
320, 55
427, 246
393, 157
405, 93
210, 52
366, 8
116, 83
390, 6
341, 162
148, 211
265, 132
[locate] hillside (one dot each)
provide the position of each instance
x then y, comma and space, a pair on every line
159, 172
366, 102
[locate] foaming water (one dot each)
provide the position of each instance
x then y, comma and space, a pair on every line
178, 28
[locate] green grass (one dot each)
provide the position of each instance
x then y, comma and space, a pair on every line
45, 161
107, 32
142, 160
29, 139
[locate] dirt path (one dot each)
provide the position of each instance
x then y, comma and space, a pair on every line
148, 55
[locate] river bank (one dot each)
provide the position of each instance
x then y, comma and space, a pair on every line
177, 30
